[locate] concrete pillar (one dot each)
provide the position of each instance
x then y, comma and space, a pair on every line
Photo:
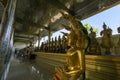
5, 35
49, 38
39, 38
2, 28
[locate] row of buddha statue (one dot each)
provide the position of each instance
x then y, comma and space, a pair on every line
60, 45
56, 45
106, 41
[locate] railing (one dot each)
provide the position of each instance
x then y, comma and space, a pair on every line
97, 67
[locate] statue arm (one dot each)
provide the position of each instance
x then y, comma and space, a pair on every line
71, 52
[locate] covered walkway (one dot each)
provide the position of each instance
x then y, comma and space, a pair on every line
43, 67
26, 21
21, 70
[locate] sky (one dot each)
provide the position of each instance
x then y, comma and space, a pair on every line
111, 17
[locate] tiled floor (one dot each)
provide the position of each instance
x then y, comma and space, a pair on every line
22, 71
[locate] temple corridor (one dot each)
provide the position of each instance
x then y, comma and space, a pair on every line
77, 55
22, 70
43, 67
97, 67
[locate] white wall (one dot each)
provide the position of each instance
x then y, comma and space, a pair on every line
19, 45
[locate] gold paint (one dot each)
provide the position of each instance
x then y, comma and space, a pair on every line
118, 29
75, 62
94, 47
107, 42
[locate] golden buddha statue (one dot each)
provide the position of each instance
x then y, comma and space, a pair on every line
77, 40
107, 42
118, 29
94, 47
55, 44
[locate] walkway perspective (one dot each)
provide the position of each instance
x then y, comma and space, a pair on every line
20, 70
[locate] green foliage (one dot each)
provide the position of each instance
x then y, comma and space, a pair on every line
88, 26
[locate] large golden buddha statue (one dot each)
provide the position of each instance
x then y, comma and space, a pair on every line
77, 40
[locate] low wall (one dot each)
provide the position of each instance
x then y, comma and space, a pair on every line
97, 67
103, 67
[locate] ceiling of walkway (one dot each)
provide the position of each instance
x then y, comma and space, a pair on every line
36, 17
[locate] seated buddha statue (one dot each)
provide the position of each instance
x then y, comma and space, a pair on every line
77, 40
